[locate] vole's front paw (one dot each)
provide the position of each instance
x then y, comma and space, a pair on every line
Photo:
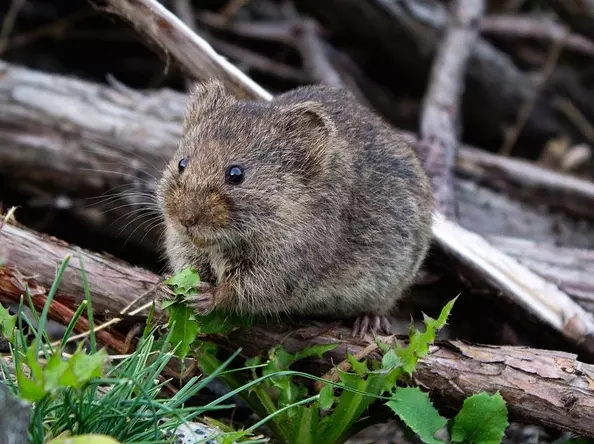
204, 301
372, 324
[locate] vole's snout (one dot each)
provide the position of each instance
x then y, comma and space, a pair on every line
188, 218
206, 209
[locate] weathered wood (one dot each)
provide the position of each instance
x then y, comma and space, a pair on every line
29, 258
539, 386
439, 129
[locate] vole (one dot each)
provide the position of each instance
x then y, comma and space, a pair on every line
308, 204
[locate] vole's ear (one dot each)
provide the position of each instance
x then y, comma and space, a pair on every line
307, 119
205, 97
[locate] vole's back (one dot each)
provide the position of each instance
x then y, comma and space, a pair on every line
386, 222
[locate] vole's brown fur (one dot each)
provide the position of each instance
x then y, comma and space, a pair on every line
333, 216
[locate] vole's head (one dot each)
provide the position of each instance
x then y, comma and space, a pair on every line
243, 169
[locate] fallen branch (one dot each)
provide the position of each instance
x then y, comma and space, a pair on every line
540, 386
438, 140
544, 28
29, 258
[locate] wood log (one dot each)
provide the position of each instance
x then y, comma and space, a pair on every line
540, 386
31, 259
439, 128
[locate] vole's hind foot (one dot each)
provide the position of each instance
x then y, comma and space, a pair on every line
372, 324
202, 302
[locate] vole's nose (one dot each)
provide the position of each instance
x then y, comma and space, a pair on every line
189, 218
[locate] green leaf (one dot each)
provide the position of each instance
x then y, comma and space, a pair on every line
304, 425
418, 344
416, 410
7, 323
390, 360
350, 405
184, 281
29, 389
86, 367
360, 367
184, 328
326, 397
220, 322
482, 419
315, 350
54, 371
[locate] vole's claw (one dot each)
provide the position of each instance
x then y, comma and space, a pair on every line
203, 302
371, 324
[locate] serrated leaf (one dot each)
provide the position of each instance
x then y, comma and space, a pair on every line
336, 426
416, 410
183, 329
304, 425
482, 419
7, 323
390, 360
36, 370
315, 350
183, 281
86, 367
326, 397
54, 371
360, 367
419, 342
29, 389
220, 322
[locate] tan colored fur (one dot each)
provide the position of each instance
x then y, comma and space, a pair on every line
334, 215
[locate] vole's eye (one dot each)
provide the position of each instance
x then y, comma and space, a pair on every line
181, 166
234, 175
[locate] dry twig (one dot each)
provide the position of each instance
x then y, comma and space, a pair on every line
537, 28
8, 23
512, 135
439, 121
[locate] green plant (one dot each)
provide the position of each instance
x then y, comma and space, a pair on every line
86, 394
294, 415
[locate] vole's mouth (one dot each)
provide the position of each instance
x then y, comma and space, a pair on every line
202, 237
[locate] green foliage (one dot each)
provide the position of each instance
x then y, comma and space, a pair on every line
86, 397
58, 373
483, 419
183, 328
7, 323
184, 324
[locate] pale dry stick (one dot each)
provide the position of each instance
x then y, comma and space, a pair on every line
511, 137
572, 112
195, 54
441, 105
109, 323
8, 23
544, 28
529, 290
